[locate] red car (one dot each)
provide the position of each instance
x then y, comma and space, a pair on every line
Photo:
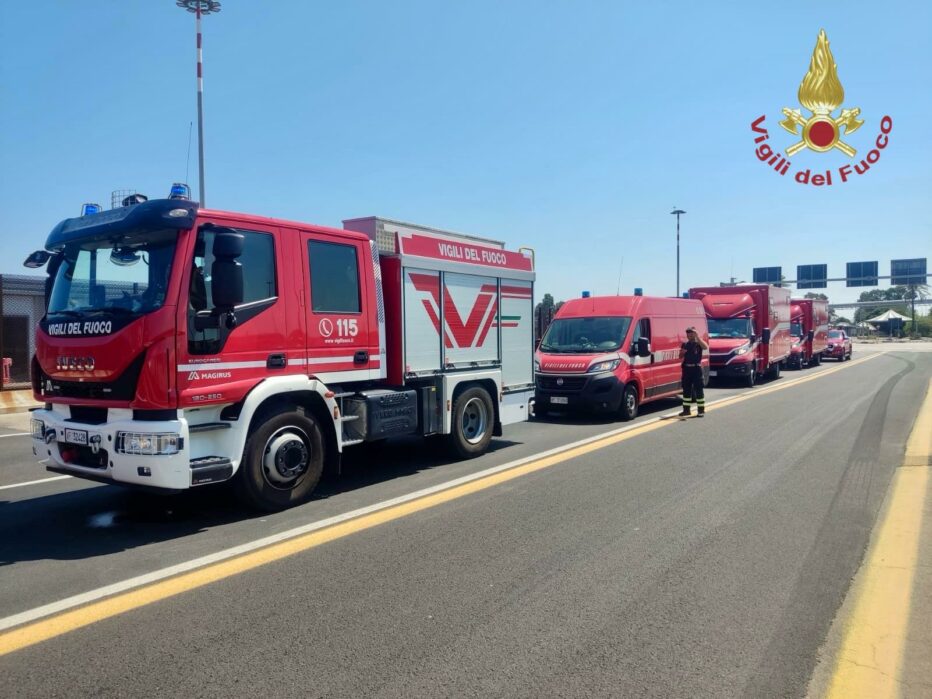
839, 345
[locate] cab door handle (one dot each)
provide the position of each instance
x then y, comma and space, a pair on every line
361, 357
275, 361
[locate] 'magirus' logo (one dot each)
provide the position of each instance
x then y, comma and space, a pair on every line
820, 93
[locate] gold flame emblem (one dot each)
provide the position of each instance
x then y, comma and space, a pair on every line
821, 93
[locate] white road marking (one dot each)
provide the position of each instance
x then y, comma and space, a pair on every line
15, 434
41, 480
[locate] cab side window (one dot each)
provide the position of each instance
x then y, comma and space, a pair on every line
334, 277
259, 284
642, 329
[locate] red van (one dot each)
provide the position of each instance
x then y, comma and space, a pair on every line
613, 353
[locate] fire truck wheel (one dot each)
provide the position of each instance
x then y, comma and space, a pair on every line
282, 462
473, 415
629, 402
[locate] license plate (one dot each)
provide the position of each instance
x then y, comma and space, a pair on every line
713, 373
560, 400
76, 436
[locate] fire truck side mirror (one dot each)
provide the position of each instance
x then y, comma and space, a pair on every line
765, 336
811, 335
226, 271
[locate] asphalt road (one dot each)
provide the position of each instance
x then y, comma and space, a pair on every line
695, 558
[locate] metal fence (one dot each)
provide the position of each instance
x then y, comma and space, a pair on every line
22, 305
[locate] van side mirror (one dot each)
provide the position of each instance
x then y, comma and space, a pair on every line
643, 347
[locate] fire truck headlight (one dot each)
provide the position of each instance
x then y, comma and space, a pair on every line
37, 427
148, 444
610, 365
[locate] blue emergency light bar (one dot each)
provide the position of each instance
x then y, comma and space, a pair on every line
180, 190
88, 209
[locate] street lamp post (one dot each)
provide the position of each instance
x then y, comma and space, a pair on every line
200, 7
677, 212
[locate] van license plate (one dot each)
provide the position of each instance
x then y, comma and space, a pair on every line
76, 436
713, 373
560, 400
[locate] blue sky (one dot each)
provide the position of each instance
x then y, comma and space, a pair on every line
572, 127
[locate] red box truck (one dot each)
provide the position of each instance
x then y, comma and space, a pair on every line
749, 329
809, 329
184, 346
613, 353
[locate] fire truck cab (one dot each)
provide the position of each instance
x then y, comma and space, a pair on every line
184, 346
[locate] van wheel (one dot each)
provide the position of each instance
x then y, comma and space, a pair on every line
751, 378
774, 371
629, 402
282, 461
473, 415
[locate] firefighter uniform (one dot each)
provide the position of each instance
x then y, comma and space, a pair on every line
692, 377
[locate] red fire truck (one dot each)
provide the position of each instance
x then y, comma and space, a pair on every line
184, 346
809, 328
749, 329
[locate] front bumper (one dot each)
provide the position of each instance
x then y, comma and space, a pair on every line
836, 351
99, 459
600, 392
734, 370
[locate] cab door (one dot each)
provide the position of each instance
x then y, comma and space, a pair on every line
220, 357
342, 335
644, 367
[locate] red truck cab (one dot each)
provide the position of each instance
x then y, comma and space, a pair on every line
749, 329
614, 353
809, 330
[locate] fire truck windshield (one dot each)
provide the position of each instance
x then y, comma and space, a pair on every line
126, 275
796, 330
582, 335
729, 327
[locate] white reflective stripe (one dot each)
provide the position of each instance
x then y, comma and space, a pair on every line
329, 360
337, 376
218, 366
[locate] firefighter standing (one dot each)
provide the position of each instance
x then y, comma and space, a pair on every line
691, 357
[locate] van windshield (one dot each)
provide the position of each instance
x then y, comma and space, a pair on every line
729, 327
580, 335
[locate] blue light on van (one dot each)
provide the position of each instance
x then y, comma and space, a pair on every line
585, 294
88, 209
638, 291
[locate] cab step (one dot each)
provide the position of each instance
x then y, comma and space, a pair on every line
209, 427
210, 469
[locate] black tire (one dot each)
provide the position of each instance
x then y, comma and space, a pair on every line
629, 403
751, 378
282, 461
473, 423
774, 371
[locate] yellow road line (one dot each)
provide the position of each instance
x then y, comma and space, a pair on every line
58, 624
869, 662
